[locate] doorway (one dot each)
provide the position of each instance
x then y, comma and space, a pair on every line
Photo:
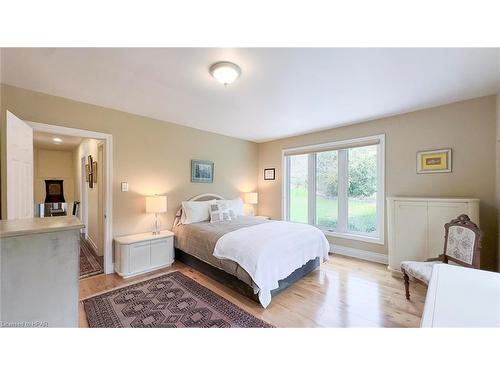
103, 190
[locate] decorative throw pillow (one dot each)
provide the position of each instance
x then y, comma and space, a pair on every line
219, 212
235, 207
195, 211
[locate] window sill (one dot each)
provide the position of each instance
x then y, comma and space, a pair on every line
355, 237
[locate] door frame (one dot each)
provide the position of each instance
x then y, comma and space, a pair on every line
101, 160
84, 196
108, 172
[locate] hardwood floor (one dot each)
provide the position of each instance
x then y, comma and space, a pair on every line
344, 292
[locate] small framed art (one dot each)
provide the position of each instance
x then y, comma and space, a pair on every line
434, 161
87, 173
202, 171
269, 174
94, 171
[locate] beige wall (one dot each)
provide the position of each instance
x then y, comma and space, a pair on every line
53, 165
86, 148
467, 127
153, 156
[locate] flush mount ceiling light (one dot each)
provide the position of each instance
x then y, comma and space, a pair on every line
57, 140
225, 72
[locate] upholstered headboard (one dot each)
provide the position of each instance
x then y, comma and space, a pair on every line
200, 198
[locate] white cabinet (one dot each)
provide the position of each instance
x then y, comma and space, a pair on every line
140, 253
140, 258
158, 253
416, 226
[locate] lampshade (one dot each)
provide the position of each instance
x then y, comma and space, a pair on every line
251, 198
156, 203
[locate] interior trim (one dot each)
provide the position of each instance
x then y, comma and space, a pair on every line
359, 254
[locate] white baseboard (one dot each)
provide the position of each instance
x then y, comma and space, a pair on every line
360, 254
91, 243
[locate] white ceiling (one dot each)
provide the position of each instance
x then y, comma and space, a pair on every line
46, 141
282, 91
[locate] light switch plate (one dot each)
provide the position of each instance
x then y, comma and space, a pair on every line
124, 186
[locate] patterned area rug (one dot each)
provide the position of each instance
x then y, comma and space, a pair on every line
170, 301
90, 262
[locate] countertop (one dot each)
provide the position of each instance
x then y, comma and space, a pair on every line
36, 225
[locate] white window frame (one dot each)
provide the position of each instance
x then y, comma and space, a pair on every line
341, 230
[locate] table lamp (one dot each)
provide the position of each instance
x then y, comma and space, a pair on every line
156, 204
251, 199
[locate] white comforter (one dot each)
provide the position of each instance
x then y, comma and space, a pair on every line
272, 251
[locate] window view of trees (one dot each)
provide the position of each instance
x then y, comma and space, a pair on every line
327, 186
362, 189
360, 166
298, 188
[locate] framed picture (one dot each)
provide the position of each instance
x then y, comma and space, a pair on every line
87, 173
202, 171
54, 191
94, 171
434, 161
91, 171
269, 174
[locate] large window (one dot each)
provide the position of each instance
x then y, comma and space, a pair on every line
298, 188
338, 187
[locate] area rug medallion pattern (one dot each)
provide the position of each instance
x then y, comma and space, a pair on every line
90, 263
171, 301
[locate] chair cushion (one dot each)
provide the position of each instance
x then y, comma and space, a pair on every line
419, 270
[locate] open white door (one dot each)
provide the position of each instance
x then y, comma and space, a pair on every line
19, 139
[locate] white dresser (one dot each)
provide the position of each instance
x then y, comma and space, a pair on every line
415, 226
140, 253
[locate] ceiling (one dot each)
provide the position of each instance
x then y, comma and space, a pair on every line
46, 141
281, 92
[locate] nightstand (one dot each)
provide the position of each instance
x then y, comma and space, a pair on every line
145, 252
263, 217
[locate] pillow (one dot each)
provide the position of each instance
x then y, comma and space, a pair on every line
235, 206
194, 212
219, 211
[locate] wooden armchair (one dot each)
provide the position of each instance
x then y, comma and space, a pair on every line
462, 245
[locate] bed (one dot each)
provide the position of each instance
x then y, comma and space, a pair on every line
258, 258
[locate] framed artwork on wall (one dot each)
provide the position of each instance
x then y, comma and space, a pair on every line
94, 171
434, 161
269, 174
91, 171
202, 171
54, 191
87, 172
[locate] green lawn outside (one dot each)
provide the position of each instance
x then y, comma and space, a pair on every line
362, 212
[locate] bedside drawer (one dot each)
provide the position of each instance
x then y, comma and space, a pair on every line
140, 256
161, 251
